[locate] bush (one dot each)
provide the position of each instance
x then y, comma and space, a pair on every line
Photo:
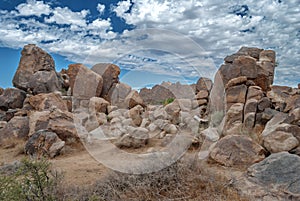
32, 181
168, 101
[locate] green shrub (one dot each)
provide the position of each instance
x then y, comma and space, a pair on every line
32, 181
168, 101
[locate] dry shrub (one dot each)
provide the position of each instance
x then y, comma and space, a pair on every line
181, 181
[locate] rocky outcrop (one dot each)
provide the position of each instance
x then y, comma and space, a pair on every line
17, 127
36, 72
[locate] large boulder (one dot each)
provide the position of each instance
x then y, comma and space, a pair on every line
36, 71
237, 151
84, 82
133, 99
110, 74
44, 143
117, 94
17, 127
204, 84
157, 95
279, 141
275, 178
48, 101
12, 98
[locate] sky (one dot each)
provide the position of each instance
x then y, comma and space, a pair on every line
151, 40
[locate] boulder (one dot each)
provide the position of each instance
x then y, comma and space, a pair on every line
278, 141
263, 104
136, 115
38, 120
292, 103
48, 101
236, 94
233, 119
254, 92
117, 94
12, 98
44, 143
36, 71
98, 105
135, 138
157, 95
17, 127
247, 65
1, 91
236, 81
237, 151
62, 123
133, 99
250, 106
110, 74
278, 174
204, 84
84, 82
249, 51
202, 94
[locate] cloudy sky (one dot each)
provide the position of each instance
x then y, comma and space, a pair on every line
151, 40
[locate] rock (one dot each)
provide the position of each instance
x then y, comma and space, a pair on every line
118, 93
204, 84
84, 82
237, 151
278, 174
249, 51
136, 138
2, 124
211, 134
279, 141
157, 95
62, 123
17, 127
201, 102
98, 105
170, 128
249, 120
298, 86
173, 110
233, 119
48, 101
236, 94
136, 115
102, 118
292, 103
263, 104
247, 65
1, 91
6, 115
267, 55
12, 98
294, 117
38, 120
44, 143
133, 99
250, 106
36, 71
278, 95
110, 74
254, 92
202, 94
274, 123
236, 81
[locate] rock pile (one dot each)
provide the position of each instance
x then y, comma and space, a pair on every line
241, 120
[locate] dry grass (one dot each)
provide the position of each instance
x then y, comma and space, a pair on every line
181, 181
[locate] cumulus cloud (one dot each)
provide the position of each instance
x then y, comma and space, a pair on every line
66, 16
101, 8
188, 38
33, 7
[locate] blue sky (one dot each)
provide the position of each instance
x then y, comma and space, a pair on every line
151, 40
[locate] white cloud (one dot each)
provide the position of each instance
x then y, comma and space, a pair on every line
33, 7
101, 8
66, 16
194, 35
